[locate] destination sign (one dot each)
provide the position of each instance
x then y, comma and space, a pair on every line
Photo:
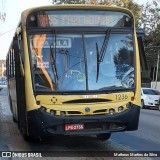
67, 18
81, 20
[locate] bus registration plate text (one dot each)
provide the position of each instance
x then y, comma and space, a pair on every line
73, 127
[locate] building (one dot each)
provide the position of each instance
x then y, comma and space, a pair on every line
2, 68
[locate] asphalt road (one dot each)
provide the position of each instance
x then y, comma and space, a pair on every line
146, 138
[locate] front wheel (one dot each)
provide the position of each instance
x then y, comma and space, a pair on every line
104, 136
14, 119
159, 108
23, 130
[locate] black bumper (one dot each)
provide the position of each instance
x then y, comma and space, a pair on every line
44, 124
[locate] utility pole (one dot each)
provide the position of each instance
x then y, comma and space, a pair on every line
157, 69
2, 12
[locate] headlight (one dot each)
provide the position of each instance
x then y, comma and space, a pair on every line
111, 111
120, 109
128, 105
52, 112
62, 113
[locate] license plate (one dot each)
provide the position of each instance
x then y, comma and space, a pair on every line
74, 127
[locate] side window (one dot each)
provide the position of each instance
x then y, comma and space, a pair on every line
13, 56
20, 41
11, 63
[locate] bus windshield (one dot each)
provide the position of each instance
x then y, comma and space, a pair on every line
82, 61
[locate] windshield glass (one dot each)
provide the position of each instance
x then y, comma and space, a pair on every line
68, 62
151, 92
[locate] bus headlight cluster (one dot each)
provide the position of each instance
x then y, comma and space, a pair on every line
53, 112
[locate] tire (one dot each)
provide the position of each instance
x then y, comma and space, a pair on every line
104, 136
10, 103
159, 108
14, 119
23, 127
23, 131
142, 104
26, 137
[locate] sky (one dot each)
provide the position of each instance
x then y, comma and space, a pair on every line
13, 9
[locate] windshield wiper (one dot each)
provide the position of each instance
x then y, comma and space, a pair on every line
101, 54
85, 60
53, 65
53, 59
97, 51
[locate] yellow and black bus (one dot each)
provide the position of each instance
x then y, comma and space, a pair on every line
74, 70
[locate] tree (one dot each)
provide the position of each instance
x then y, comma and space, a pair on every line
150, 22
150, 16
123, 61
134, 7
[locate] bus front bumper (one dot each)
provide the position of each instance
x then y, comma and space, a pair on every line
45, 124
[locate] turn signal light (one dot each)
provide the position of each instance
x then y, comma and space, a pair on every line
38, 102
132, 98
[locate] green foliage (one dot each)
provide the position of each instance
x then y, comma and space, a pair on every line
151, 16
151, 23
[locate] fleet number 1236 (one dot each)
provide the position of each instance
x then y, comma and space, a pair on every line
121, 97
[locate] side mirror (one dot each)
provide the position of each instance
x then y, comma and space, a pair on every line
143, 61
17, 38
18, 31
